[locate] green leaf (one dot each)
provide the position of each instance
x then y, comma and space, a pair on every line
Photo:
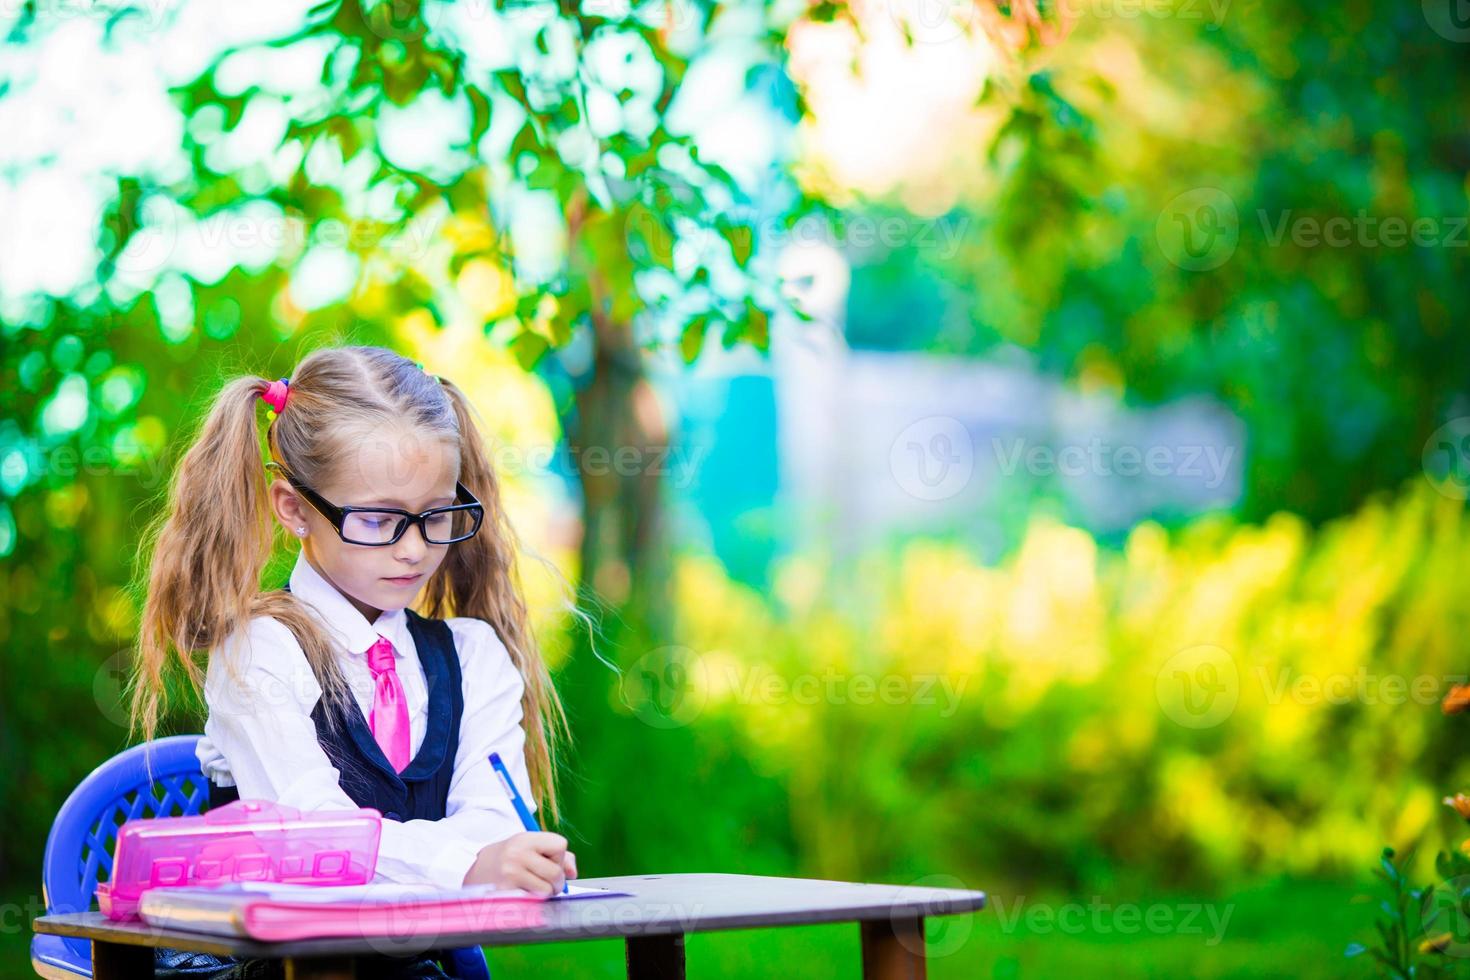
823, 11
445, 68
526, 141
692, 339
732, 334
758, 329
526, 305
528, 348
648, 236
740, 237
625, 303
560, 324
480, 113
548, 173
514, 86
568, 113
346, 134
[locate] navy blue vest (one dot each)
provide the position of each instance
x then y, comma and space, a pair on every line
420, 791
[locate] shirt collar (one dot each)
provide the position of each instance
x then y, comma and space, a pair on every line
351, 627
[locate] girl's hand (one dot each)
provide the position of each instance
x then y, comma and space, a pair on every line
537, 861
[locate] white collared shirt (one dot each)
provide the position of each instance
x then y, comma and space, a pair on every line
260, 736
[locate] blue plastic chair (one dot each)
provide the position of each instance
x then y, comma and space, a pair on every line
157, 779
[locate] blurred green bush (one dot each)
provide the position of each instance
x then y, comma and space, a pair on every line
1224, 703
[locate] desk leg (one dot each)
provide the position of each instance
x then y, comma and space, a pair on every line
117, 961
656, 957
893, 950
321, 968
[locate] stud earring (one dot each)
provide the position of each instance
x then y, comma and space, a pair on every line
301, 532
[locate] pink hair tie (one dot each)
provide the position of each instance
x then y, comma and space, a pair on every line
275, 394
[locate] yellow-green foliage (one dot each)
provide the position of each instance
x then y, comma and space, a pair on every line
1226, 700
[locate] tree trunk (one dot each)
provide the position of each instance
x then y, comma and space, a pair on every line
619, 442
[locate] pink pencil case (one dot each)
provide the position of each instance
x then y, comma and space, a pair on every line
248, 840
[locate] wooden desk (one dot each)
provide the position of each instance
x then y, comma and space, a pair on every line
654, 922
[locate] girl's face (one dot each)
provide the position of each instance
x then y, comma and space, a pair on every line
392, 467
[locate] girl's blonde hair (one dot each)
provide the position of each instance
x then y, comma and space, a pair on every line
209, 548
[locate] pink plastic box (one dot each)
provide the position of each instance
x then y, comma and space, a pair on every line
248, 840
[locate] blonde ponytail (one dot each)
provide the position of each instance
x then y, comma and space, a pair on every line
206, 553
479, 579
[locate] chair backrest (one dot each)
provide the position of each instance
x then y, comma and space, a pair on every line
156, 779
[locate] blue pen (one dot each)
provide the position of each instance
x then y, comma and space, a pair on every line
528, 819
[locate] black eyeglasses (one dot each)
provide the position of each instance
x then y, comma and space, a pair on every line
379, 526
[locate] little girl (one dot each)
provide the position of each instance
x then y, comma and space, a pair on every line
334, 692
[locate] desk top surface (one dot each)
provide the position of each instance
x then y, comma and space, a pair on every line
659, 905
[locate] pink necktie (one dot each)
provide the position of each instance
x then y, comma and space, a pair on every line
389, 719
